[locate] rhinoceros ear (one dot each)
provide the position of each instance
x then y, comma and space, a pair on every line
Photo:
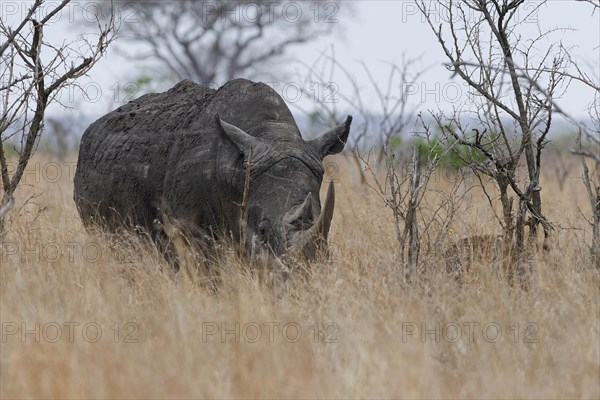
334, 140
240, 138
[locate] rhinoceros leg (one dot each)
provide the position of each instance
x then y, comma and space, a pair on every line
165, 245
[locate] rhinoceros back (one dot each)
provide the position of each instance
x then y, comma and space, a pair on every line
123, 156
169, 143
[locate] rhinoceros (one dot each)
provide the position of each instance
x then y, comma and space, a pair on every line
182, 155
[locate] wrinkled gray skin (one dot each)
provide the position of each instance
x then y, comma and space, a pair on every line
180, 155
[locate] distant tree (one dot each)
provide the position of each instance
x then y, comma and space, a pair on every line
215, 41
33, 71
588, 141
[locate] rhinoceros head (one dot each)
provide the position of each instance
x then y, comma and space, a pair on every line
284, 209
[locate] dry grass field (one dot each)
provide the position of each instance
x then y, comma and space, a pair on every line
83, 318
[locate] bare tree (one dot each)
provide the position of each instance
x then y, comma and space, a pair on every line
595, 4
215, 41
400, 178
588, 148
33, 71
512, 88
379, 124
403, 191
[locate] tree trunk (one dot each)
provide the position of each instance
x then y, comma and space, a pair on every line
595, 250
507, 204
6, 204
414, 245
411, 227
516, 271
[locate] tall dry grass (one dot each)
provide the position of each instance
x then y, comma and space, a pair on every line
349, 329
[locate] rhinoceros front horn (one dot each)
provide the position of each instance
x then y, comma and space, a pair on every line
321, 227
315, 238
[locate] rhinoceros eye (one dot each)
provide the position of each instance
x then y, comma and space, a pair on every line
301, 223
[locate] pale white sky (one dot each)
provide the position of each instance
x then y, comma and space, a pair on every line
373, 32
382, 31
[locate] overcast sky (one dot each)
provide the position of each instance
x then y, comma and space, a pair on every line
382, 31
373, 32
